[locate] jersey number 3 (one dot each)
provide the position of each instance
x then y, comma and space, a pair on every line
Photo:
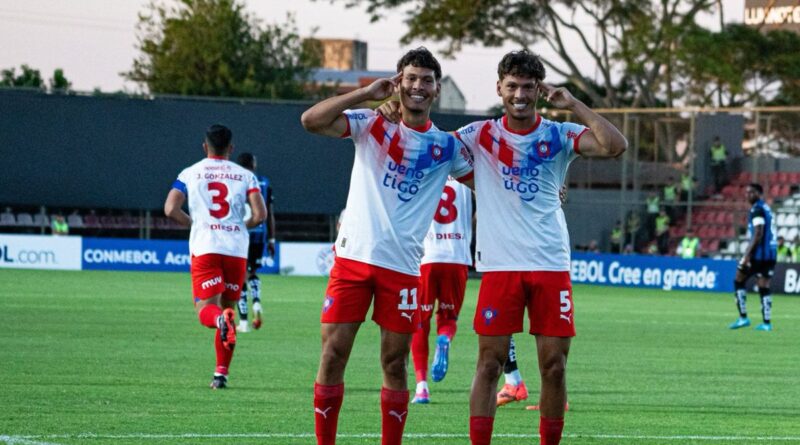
219, 199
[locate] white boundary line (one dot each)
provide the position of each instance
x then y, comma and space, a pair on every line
35, 439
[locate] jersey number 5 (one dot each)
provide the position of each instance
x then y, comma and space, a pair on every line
447, 211
219, 199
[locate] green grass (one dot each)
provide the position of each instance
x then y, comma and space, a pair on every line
122, 356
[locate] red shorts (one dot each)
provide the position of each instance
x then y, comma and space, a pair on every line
444, 282
505, 295
351, 287
214, 274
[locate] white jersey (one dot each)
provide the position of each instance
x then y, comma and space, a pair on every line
396, 184
217, 191
521, 226
450, 234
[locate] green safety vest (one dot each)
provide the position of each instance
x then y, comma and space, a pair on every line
718, 154
796, 254
652, 204
60, 227
616, 235
662, 223
689, 247
784, 253
686, 182
669, 193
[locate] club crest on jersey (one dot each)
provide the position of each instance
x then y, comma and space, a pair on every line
489, 315
327, 304
436, 152
543, 148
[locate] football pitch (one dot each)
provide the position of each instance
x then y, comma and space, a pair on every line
119, 358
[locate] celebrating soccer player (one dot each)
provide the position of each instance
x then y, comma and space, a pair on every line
396, 184
444, 279
217, 191
523, 248
759, 260
260, 236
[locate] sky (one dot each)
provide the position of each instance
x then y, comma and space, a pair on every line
94, 40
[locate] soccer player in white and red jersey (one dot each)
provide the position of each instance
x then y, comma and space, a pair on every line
444, 279
395, 186
217, 190
523, 247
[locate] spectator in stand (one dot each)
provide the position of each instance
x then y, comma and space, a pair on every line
719, 157
662, 232
59, 226
796, 250
634, 226
670, 191
690, 245
653, 205
785, 253
688, 183
616, 238
593, 247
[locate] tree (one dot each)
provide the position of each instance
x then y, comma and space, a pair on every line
631, 42
215, 48
740, 65
28, 78
32, 78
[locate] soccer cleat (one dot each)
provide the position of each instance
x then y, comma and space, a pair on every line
243, 326
256, 315
511, 393
740, 323
440, 358
421, 397
227, 328
219, 382
764, 327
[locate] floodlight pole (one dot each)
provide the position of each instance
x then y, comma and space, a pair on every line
623, 185
690, 192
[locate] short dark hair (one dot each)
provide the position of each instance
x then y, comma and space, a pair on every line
218, 138
521, 63
757, 187
246, 160
420, 58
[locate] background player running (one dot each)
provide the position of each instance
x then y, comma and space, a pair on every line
759, 259
217, 190
396, 184
522, 240
260, 235
444, 279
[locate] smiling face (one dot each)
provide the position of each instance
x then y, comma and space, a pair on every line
519, 96
418, 89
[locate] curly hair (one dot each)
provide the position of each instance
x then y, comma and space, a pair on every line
521, 63
420, 58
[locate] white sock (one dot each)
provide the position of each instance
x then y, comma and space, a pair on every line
513, 378
422, 386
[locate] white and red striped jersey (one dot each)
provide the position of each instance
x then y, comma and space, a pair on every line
216, 191
395, 186
449, 237
521, 226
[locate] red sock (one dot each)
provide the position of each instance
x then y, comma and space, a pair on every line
327, 402
394, 412
208, 315
446, 327
419, 350
480, 430
224, 355
550, 430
